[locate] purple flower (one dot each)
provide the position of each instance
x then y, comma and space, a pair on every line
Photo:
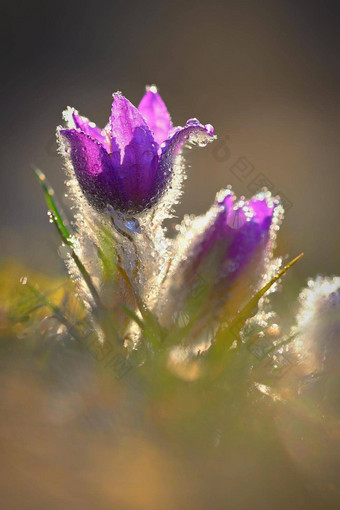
129, 164
223, 255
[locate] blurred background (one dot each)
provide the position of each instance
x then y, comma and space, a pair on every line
264, 73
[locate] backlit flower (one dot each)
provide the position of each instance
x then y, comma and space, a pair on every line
317, 340
223, 256
128, 165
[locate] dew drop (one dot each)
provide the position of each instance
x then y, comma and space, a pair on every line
193, 122
133, 225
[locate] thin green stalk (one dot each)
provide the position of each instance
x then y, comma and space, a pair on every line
66, 237
51, 203
57, 312
227, 334
133, 316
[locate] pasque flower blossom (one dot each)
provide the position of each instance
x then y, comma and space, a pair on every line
225, 253
129, 164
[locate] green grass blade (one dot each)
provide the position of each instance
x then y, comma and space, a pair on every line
227, 334
147, 332
51, 203
65, 236
72, 329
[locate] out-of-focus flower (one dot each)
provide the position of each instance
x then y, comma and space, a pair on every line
223, 256
317, 331
128, 165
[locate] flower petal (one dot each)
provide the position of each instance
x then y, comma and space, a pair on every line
138, 172
74, 120
125, 120
263, 210
139, 158
192, 132
93, 168
154, 111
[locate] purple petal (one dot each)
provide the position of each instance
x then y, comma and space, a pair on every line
236, 218
192, 132
228, 201
236, 241
93, 168
246, 242
138, 167
125, 119
90, 129
138, 173
153, 109
251, 228
263, 210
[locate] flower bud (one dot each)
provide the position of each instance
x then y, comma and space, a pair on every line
222, 257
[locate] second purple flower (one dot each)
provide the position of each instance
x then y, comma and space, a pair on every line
222, 256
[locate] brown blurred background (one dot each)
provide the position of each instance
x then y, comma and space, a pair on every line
264, 73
